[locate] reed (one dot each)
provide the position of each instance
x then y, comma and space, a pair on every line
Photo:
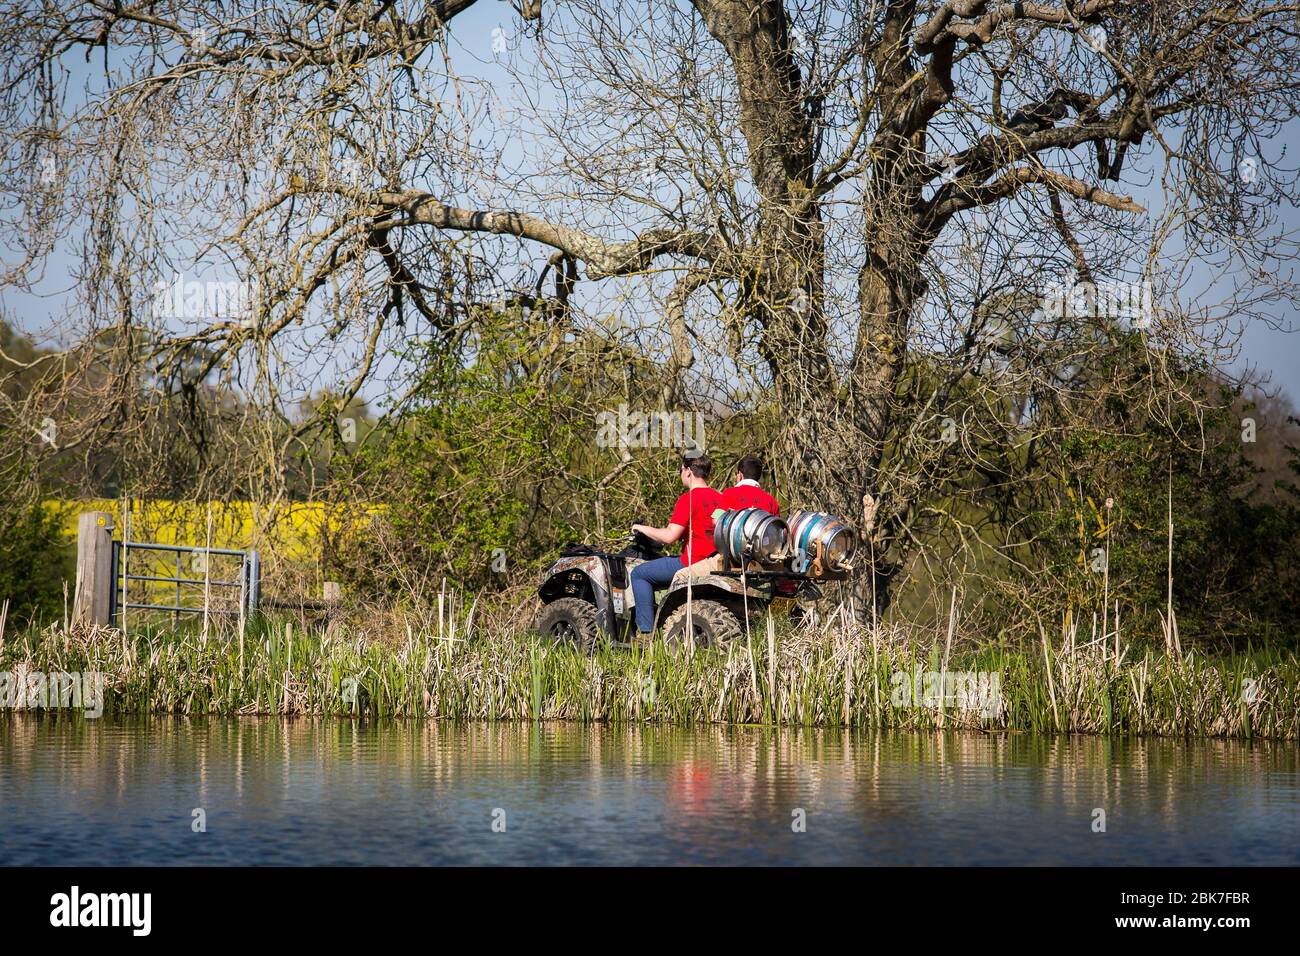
474, 665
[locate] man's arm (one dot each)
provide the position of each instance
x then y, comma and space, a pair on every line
673, 532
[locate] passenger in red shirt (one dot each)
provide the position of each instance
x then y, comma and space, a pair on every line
746, 492
692, 519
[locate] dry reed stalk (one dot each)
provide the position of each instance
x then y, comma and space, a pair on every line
771, 664
1169, 565
442, 593
726, 683
875, 626
126, 536
1117, 655
947, 651
846, 719
753, 669
1051, 686
76, 596
1105, 578
207, 574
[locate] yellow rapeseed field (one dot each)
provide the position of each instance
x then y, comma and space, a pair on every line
290, 530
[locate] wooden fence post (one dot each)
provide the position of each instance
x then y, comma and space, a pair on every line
94, 567
333, 592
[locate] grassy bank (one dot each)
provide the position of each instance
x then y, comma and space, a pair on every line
464, 666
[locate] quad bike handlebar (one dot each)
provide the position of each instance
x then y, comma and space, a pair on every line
643, 544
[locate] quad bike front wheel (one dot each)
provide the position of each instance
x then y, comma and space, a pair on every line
712, 623
570, 621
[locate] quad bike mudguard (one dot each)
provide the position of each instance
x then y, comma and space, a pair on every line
586, 576
730, 590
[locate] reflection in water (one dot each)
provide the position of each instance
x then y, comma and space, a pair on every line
301, 792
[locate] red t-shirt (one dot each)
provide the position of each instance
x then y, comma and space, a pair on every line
749, 496
694, 511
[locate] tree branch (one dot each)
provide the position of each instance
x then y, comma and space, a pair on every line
602, 258
1007, 184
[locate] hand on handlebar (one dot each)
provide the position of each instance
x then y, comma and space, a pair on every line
641, 539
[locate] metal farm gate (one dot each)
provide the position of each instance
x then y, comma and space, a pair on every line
247, 579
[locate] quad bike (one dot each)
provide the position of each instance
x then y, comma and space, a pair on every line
587, 593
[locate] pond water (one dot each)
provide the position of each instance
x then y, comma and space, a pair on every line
175, 791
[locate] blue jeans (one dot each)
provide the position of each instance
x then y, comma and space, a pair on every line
646, 578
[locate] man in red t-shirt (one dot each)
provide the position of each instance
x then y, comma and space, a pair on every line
692, 519
746, 493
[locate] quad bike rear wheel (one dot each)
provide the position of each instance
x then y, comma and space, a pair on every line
712, 624
570, 621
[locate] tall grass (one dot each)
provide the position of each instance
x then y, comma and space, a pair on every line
467, 665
